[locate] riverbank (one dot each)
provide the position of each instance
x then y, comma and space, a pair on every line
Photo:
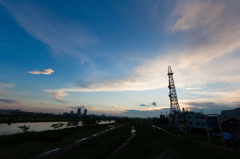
29, 144
100, 147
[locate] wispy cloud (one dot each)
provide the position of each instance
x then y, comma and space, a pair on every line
208, 107
211, 55
5, 85
63, 36
144, 105
191, 88
140, 111
9, 101
45, 72
116, 107
43, 104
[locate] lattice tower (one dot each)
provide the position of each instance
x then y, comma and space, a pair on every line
174, 106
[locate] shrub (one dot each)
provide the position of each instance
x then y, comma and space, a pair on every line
24, 128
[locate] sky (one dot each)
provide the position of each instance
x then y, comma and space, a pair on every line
112, 57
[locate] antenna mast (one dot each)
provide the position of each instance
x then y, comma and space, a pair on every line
174, 106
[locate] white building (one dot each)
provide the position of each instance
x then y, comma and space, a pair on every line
196, 120
187, 121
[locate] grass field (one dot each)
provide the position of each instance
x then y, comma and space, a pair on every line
152, 143
100, 147
215, 141
39, 142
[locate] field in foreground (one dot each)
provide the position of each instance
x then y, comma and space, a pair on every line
100, 147
40, 142
152, 143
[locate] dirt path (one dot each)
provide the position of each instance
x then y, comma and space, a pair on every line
64, 148
115, 153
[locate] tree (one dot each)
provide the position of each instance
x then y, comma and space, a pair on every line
24, 128
89, 122
57, 125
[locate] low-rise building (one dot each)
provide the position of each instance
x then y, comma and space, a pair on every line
233, 113
187, 120
232, 125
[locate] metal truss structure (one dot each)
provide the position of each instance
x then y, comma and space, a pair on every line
174, 106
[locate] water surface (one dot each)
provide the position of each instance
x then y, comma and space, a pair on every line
12, 128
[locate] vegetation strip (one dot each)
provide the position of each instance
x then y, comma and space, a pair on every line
39, 142
152, 143
114, 153
69, 146
100, 147
215, 142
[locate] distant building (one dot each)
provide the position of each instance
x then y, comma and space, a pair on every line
10, 111
187, 120
162, 116
85, 112
66, 114
234, 113
79, 111
71, 112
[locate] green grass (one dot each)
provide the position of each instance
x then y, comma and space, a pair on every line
171, 130
100, 147
152, 143
39, 142
215, 141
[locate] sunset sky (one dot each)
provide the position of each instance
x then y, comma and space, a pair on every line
111, 56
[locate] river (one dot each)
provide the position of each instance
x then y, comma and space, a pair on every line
12, 128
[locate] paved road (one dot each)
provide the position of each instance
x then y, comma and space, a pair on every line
114, 153
60, 150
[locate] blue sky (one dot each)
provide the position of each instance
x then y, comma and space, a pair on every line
111, 57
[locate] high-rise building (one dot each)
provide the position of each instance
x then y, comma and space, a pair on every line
79, 111
85, 112
71, 112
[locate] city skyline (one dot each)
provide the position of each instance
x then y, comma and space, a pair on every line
112, 57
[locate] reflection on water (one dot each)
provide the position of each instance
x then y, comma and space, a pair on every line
57, 125
12, 128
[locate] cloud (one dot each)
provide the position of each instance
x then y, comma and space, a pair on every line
45, 72
191, 88
208, 107
144, 105
207, 53
57, 95
154, 103
9, 101
3, 85
43, 104
64, 37
116, 107
147, 112
83, 107
140, 111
